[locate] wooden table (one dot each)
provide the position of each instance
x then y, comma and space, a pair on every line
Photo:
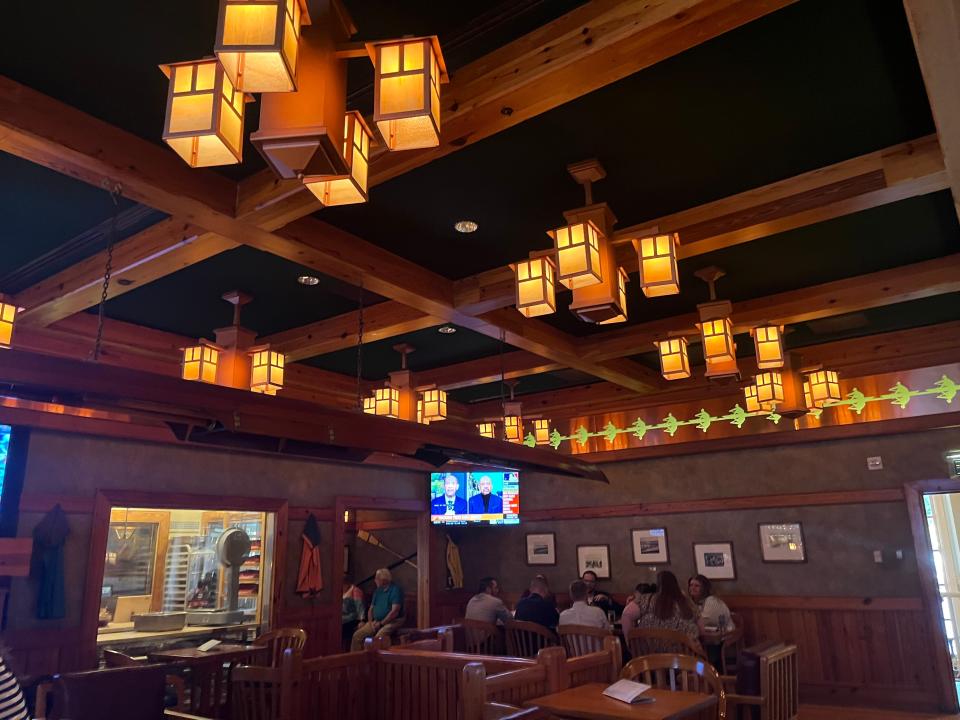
222, 653
124, 634
588, 701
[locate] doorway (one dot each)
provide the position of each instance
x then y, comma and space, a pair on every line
934, 508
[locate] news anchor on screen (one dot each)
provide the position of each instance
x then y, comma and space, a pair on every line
449, 503
486, 502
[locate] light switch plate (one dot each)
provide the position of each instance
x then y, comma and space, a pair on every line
878, 556
875, 463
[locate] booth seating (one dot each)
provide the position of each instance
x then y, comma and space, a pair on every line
438, 639
766, 686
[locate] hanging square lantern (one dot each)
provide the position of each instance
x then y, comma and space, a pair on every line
658, 264
578, 254
769, 389
488, 430
807, 397
750, 398
536, 280
370, 405
824, 388
8, 318
674, 361
258, 43
420, 412
266, 371
200, 362
406, 91
541, 431
620, 306
350, 188
768, 341
204, 120
387, 402
513, 428
434, 405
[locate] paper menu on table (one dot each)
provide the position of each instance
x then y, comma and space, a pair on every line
629, 691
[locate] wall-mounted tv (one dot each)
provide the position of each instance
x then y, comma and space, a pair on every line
479, 496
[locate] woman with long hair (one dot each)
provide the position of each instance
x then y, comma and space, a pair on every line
668, 608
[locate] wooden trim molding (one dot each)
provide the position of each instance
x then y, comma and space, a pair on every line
754, 502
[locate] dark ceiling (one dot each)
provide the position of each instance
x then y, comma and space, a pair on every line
815, 83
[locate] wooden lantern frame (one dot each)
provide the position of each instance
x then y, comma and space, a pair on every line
386, 402
768, 344
199, 362
824, 387
350, 188
674, 358
434, 405
487, 430
290, 16
224, 131
414, 127
541, 431
578, 254
266, 370
536, 284
769, 387
658, 264
750, 398
620, 307
8, 321
513, 428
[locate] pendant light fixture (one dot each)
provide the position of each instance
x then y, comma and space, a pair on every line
824, 387
541, 431
266, 370
769, 387
351, 187
716, 329
768, 343
750, 398
487, 430
399, 399
199, 362
536, 284
674, 360
8, 320
658, 264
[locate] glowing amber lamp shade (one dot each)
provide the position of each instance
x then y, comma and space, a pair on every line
434, 405
658, 264
513, 428
674, 361
541, 431
536, 286
200, 362
750, 398
768, 342
406, 91
487, 430
578, 254
769, 389
266, 371
620, 306
8, 318
351, 188
258, 42
718, 345
204, 120
386, 402
370, 405
824, 388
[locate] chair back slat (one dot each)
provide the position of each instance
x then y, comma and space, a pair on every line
779, 683
654, 641
526, 639
281, 640
680, 672
482, 638
580, 640
256, 694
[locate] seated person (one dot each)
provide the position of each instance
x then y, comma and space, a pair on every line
668, 608
486, 605
536, 608
631, 613
486, 502
713, 615
13, 706
385, 613
580, 613
550, 597
597, 598
351, 610
449, 503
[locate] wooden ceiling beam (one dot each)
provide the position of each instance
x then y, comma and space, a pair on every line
515, 364
935, 26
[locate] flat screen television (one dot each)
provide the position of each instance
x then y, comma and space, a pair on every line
5, 431
479, 496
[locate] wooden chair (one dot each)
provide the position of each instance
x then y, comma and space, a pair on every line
280, 640
526, 639
482, 638
653, 641
580, 640
256, 694
680, 672
132, 693
779, 686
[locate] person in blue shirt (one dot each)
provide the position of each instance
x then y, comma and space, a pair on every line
449, 503
385, 614
486, 502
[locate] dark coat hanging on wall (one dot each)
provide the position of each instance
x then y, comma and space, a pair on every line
49, 536
310, 577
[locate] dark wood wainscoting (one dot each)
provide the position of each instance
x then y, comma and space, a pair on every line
44, 652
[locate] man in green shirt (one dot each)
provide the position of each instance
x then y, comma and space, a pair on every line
385, 613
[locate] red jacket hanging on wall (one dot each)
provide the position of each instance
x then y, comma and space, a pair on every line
310, 577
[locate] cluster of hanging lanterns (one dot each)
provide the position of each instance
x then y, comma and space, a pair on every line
401, 400
265, 46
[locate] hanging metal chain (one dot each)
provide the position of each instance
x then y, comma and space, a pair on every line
360, 352
108, 269
503, 379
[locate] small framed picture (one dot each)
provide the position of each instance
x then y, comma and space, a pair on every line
541, 549
714, 560
595, 558
650, 546
782, 542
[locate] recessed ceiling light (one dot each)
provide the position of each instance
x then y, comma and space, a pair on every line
465, 226
446, 329
308, 280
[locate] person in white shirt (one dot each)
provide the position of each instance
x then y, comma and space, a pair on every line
580, 613
486, 604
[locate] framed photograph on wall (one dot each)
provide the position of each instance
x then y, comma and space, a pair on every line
714, 560
650, 546
541, 549
595, 558
782, 542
